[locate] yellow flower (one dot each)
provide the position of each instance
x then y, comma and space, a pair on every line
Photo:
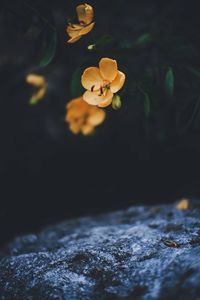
39, 83
183, 204
83, 117
101, 83
85, 16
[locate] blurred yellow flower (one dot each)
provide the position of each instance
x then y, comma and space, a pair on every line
183, 204
101, 83
85, 16
39, 83
83, 117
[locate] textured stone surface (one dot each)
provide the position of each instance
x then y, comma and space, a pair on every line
139, 253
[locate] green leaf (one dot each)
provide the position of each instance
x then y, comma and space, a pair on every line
169, 82
104, 41
75, 86
144, 40
33, 101
116, 102
147, 105
141, 42
49, 51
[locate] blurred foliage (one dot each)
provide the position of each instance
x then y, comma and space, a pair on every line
157, 45
49, 50
76, 87
147, 105
159, 56
30, 26
169, 82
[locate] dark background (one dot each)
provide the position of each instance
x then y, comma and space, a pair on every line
47, 173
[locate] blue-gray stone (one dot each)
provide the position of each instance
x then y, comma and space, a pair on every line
139, 253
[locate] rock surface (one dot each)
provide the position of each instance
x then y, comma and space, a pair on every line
139, 253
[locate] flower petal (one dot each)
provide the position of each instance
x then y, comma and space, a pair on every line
118, 82
86, 29
73, 115
83, 117
97, 116
85, 13
74, 39
76, 102
87, 129
108, 68
73, 29
40, 93
75, 128
95, 98
105, 103
39, 83
35, 80
91, 98
76, 109
91, 79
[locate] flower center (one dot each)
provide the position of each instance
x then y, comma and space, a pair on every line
103, 89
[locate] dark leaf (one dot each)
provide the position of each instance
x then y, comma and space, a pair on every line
189, 116
49, 51
104, 41
169, 82
47, 39
147, 105
144, 40
141, 42
76, 87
